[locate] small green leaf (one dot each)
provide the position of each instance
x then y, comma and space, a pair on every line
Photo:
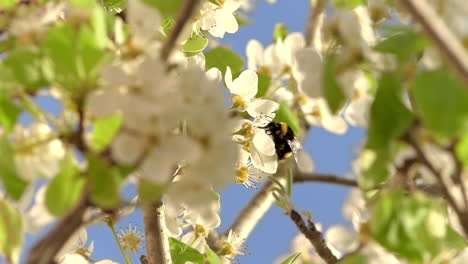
181, 252
444, 111
281, 32
13, 184
9, 113
115, 6
11, 230
98, 21
25, 64
166, 8
389, 117
221, 57
349, 4
105, 130
211, 257
461, 149
105, 182
242, 20
332, 91
263, 84
64, 191
287, 115
414, 43
291, 259
354, 259
8, 3
194, 45
413, 227
149, 192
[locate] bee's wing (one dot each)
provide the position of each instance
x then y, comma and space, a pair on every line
296, 147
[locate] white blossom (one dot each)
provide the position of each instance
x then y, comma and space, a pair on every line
244, 88
39, 152
218, 19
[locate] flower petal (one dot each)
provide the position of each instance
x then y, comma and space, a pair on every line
262, 107
228, 79
246, 85
264, 143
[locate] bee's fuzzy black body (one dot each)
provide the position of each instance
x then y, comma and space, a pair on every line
282, 136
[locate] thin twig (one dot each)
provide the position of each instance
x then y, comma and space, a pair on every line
182, 18
325, 178
436, 29
462, 213
314, 24
314, 236
157, 244
45, 251
257, 207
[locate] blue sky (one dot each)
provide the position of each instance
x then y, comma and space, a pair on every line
332, 154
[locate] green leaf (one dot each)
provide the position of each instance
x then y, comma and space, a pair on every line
389, 117
105, 130
13, 184
441, 99
7, 44
9, 113
221, 57
414, 43
74, 55
349, 4
25, 65
281, 32
115, 6
8, 3
167, 8
11, 230
413, 227
85, 4
149, 192
64, 191
99, 25
194, 45
263, 84
181, 252
105, 182
377, 173
211, 257
332, 91
461, 149
287, 115
354, 259
291, 259
242, 20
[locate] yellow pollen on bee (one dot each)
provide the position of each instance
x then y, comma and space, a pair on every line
242, 175
284, 129
287, 155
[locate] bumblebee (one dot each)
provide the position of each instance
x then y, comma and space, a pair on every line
286, 142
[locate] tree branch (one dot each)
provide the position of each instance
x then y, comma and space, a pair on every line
157, 244
300, 177
436, 29
314, 24
45, 251
315, 237
184, 15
